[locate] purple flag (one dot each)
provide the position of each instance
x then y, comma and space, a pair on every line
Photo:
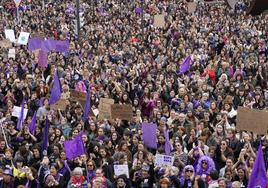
21, 118
185, 66
27, 184
45, 135
168, 146
32, 125
74, 148
258, 174
149, 135
48, 45
35, 43
87, 106
55, 94
138, 10
62, 46
42, 59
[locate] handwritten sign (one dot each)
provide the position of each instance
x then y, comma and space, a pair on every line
163, 160
159, 20
121, 111
5, 43
105, 108
252, 120
121, 169
78, 96
16, 112
60, 105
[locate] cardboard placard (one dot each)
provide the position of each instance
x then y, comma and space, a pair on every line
252, 120
163, 160
122, 111
191, 7
78, 96
61, 104
159, 20
105, 108
5, 43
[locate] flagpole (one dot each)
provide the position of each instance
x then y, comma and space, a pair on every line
5, 138
18, 19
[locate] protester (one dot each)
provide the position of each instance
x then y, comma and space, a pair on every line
184, 82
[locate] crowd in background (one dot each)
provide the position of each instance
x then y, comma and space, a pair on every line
121, 55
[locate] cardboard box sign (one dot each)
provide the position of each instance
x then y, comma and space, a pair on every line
78, 96
105, 108
159, 20
252, 120
61, 104
122, 111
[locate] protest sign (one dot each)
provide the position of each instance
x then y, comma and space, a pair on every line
17, 2
17, 111
191, 6
252, 120
121, 169
12, 53
78, 96
59, 105
5, 43
163, 160
105, 108
10, 35
121, 111
159, 20
23, 38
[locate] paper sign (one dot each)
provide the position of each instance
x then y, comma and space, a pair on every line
121, 169
163, 160
12, 53
122, 111
23, 38
10, 34
78, 96
252, 120
16, 112
159, 20
105, 108
191, 7
60, 104
17, 2
95, 112
5, 43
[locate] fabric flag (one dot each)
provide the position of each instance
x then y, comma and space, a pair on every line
168, 146
74, 148
21, 118
62, 46
258, 174
138, 10
45, 135
32, 125
185, 66
149, 135
34, 43
87, 106
42, 59
55, 94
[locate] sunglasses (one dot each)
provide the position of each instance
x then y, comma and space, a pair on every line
204, 162
189, 171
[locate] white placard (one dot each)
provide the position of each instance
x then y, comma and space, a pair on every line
23, 38
12, 53
10, 35
163, 160
121, 169
16, 112
96, 112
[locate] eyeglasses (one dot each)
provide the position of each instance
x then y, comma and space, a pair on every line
223, 144
204, 162
177, 145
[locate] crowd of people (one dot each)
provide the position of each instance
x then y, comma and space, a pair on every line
121, 55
